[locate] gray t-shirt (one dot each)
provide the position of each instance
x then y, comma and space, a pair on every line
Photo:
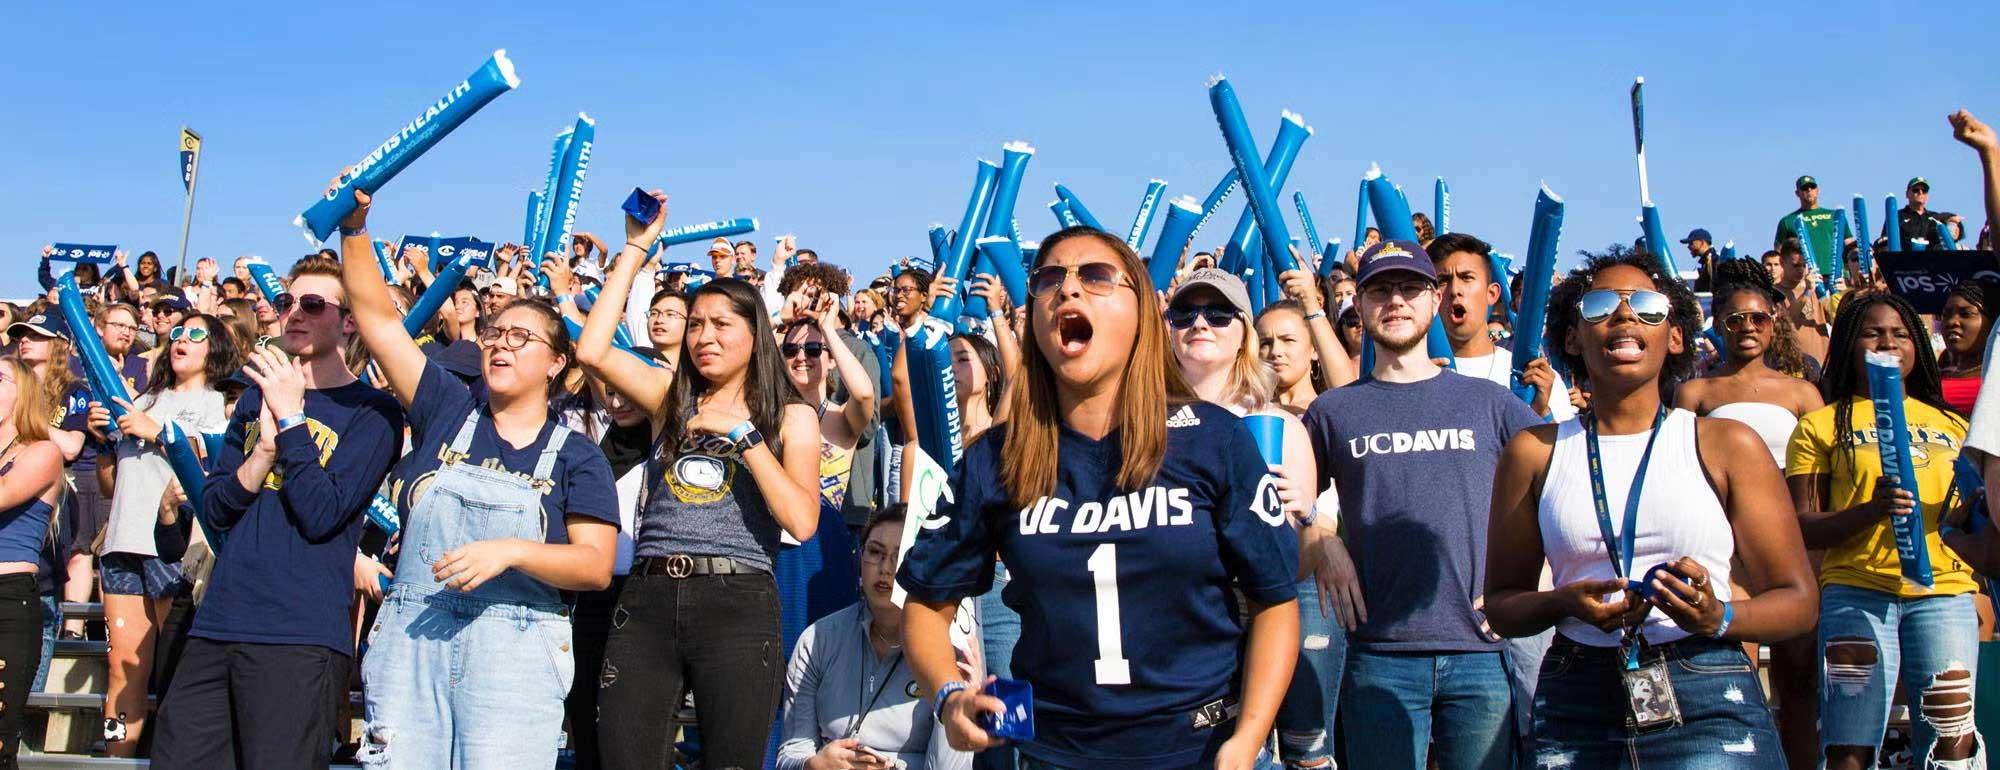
1416, 483
705, 503
143, 472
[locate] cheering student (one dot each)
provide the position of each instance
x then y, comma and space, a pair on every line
1470, 290
31, 481
1216, 350
1964, 322
666, 324
1411, 477
850, 699
139, 587
737, 462
911, 292
503, 509
1878, 629
1652, 673
1130, 515
264, 672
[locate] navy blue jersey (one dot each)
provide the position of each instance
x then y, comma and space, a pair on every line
1129, 619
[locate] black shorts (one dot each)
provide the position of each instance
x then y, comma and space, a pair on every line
129, 574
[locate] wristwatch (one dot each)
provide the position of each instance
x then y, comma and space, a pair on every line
745, 436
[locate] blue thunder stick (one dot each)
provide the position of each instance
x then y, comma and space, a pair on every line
409, 143
1649, 215
958, 260
620, 334
435, 295
107, 385
1538, 270
1892, 226
1149, 205
1076, 208
1065, 217
1183, 218
1885, 387
576, 332
1014, 157
1331, 259
940, 240
1361, 216
569, 193
1292, 134
1944, 240
1306, 223
384, 263
721, 228
1861, 241
1441, 206
1258, 181
266, 280
533, 223
1004, 255
1209, 205
558, 149
188, 470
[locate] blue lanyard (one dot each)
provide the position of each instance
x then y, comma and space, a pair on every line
1621, 555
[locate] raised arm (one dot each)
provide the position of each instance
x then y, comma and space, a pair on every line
375, 314
1334, 362
1981, 138
631, 377
860, 407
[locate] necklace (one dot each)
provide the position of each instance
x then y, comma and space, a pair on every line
888, 642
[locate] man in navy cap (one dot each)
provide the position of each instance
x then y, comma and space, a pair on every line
1701, 246
1918, 222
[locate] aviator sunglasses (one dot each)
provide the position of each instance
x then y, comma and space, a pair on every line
1599, 304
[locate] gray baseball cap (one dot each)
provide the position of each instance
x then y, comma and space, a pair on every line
1222, 281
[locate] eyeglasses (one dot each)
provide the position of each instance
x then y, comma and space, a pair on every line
313, 304
121, 325
1217, 316
652, 314
513, 338
1099, 278
911, 289
812, 349
1748, 319
1381, 291
189, 333
1650, 306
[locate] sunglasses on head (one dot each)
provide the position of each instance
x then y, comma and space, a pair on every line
313, 304
812, 349
1600, 304
1099, 278
189, 333
1217, 316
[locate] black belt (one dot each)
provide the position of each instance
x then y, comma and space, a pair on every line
680, 565
1216, 712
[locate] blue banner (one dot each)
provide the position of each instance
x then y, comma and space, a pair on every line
80, 253
478, 253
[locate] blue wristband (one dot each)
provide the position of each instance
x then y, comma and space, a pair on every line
1728, 614
291, 421
944, 693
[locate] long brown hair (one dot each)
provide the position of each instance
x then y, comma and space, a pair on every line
1152, 384
224, 358
34, 408
766, 389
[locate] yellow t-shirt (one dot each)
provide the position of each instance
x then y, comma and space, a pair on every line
1868, 559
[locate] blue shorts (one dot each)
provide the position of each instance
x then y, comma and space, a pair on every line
127, 574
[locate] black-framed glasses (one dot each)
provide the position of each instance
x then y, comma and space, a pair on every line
1380, 291
1099, 278
1599, 304
510, 338
312, 304
1217, 316
811, 349
1747, 320
189, 333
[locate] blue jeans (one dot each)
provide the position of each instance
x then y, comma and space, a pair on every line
1581, 711
1871, 641
1305, 718
1397, 706
999, 631
1207, 761
51, 625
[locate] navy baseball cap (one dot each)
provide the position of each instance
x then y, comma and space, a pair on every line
45, 324
1394, 256
1697, 234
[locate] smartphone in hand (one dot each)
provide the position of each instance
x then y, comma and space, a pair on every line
642, 206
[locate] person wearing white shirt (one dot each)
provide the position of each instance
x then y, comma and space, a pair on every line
1465, 273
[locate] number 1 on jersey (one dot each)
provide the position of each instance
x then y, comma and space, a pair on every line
1112, 668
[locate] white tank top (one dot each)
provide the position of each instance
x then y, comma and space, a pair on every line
1773, 423
1678, 516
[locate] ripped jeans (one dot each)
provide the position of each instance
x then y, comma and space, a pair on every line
1872, 640
1581, 711
1305, 717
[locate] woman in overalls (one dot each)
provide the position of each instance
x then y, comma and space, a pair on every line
503, 510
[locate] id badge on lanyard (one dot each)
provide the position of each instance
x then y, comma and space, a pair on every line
1649, 691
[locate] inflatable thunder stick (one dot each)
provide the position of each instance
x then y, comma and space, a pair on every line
1839, 244
706, 231
533, 223
409, 143
1004, 256
1885, 387
1014, 157
435, 295
1183, 218
539, 230
1259, 182
384, 263
957, 260
1649, 215
1892, 227
107, 385
1306, 223
1392, 215
1441, 206
1065, 218
1149, 205
1944, 240
1861, 243
1241, 252
1729, 250
568, 194
1076, 209
576, 333
188, 471
1538, 271
620, 334
266, 280
933, 389
1216, 196
1361, 216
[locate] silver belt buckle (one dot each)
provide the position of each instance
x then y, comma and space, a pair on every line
679, 565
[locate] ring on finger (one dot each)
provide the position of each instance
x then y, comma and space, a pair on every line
1698, 600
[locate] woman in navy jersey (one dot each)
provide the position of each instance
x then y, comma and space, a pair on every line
1130, 515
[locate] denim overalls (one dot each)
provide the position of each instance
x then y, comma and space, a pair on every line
469, 679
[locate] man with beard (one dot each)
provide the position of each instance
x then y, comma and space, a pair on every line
1414, 480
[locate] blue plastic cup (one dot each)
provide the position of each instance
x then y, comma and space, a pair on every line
1269, 430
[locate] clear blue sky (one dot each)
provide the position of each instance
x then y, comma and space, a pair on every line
857, 128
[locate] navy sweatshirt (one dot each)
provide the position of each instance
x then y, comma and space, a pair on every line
285, 573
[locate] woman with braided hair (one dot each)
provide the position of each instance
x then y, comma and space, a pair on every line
1963, 322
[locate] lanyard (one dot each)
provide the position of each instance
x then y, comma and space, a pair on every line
862, 715
1621, 554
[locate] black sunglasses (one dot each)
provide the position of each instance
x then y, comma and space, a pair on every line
1217, 316
1099, 278
313, 304
812, 349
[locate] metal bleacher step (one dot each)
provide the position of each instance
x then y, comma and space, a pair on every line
83, 610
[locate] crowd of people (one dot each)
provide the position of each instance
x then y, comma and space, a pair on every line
609, 510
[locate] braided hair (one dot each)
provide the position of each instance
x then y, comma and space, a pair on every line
1684, 312
1841, 380
1742, 275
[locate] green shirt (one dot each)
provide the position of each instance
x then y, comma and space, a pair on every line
1819, 224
